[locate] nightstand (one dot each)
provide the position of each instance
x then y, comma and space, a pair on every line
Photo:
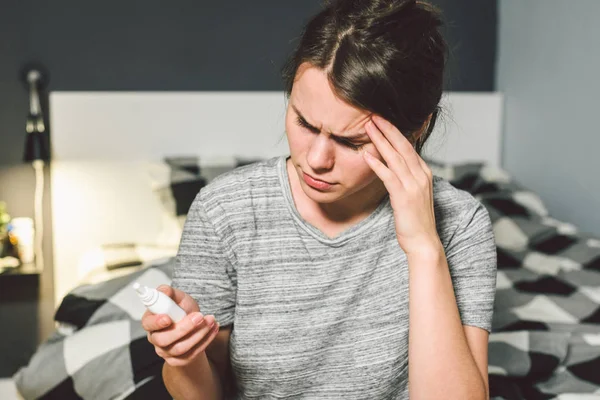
19, 309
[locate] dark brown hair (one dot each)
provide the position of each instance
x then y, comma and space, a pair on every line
383, 56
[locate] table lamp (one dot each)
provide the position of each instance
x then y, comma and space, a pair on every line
37, 150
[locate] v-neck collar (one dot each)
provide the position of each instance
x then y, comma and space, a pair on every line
345, 235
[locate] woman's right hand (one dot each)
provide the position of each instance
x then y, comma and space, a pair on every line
179, 344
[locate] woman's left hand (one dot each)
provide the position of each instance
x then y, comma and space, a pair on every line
409, 183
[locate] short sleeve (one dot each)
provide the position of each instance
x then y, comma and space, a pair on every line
471, 256
203, 268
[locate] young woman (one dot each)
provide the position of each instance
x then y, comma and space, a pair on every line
344, 270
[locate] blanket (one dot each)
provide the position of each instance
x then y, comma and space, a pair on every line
545, 340
100, 350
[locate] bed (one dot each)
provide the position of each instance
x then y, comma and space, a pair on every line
123, 174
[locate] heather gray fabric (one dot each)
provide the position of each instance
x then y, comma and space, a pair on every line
315, 317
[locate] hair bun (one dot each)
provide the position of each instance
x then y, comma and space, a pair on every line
371, 8
383, 16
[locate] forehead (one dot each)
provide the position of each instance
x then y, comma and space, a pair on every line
313, 95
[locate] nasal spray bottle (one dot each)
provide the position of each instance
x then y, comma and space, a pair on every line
158, 302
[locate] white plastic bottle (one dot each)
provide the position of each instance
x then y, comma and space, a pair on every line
158, 302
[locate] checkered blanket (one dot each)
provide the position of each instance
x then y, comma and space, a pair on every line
100, 350
545, 342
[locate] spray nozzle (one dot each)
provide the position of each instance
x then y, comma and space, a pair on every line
146, 294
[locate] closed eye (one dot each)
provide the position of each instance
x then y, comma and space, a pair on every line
300, 121
349, 144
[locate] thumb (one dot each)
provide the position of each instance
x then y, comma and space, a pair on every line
166, 289
182, 299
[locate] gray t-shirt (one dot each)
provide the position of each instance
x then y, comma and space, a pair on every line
316, 317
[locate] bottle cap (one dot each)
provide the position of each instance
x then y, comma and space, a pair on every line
146, 294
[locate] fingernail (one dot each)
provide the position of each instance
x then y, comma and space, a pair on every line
165, 321
197, 319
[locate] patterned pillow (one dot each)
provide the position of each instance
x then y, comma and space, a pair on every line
178, 180
492, 185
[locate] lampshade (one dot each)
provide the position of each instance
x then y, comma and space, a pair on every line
36, 147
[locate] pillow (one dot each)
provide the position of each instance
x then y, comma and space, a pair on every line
178, 179
111, 260
492, 185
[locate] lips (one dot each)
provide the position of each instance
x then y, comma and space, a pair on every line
316, 183
318, 180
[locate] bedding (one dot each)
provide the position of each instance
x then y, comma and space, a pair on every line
545, 340
177, 180
111, 260
100, 350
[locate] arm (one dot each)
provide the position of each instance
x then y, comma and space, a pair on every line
197, 363
209, 377
439, 349
198, 380
445, 360
203, 269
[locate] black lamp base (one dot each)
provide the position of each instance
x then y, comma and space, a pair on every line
36, 147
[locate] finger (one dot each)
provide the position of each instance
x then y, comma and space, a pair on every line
191, 322
155, 322
399, 142
194, 351
182, 299
184, 345
394, 160
425, 168
389, 179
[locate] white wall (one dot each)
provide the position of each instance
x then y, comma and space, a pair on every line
549, 71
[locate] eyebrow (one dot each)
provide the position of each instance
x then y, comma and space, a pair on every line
357, 136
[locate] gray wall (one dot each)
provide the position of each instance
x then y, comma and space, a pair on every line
548, 68
185, 45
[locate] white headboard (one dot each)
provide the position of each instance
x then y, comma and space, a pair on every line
101, 140
128, 126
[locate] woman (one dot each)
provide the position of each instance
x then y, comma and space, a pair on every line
295, 271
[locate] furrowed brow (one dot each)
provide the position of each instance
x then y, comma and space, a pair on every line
357, 136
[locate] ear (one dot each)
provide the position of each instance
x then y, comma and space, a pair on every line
419, 132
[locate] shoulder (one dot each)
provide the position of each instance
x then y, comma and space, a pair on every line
457, 210
231, 201
453, 201
237, 186
466, 231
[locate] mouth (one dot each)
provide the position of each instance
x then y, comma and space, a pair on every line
316, 183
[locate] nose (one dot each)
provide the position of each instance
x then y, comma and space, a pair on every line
320, 156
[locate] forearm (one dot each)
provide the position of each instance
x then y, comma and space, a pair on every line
440, 362
199, 380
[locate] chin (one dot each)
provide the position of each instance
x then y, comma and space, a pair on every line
320, 196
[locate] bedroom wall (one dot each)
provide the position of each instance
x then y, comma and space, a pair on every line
189, 45
548, 63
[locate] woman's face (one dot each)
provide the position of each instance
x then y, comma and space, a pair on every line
326, 137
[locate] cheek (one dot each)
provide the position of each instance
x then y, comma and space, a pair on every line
362, 173
295, 137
